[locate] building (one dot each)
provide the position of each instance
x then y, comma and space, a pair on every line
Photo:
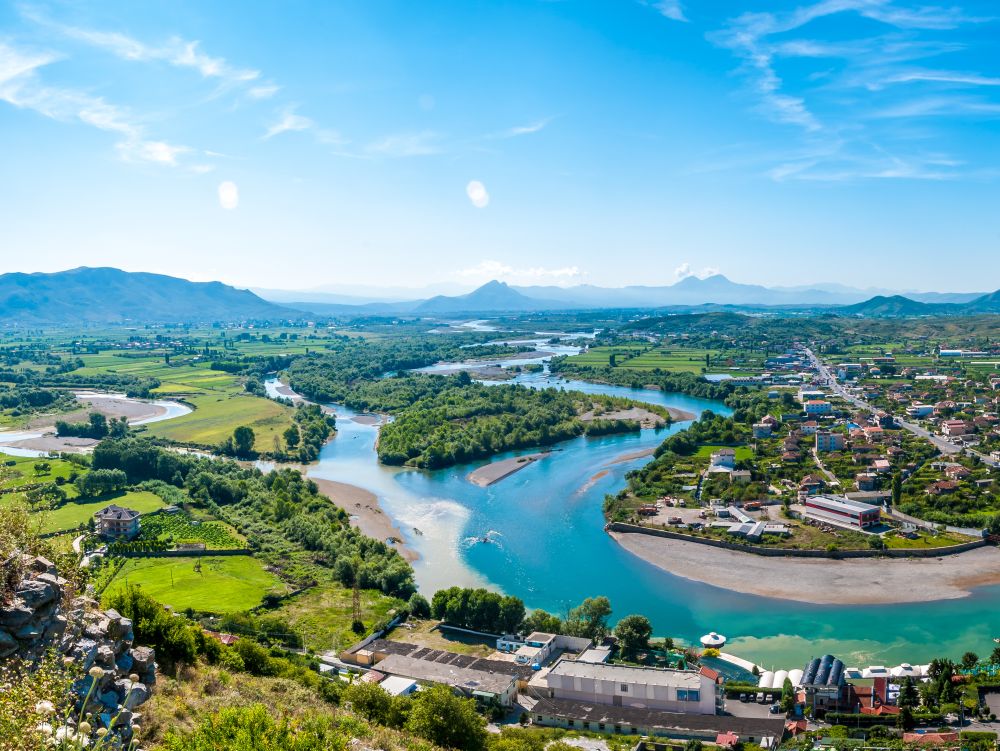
824, 683
117, 522
954, 427
920, 410
762, 430
827, 440
840, 510
667, 690
485, 685
723, 460
818, 407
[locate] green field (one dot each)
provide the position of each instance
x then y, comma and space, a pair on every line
743, 453
73, 514
323, 614
225, 584
671, 359
218, 398
20, 470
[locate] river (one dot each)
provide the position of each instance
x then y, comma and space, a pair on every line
546, 544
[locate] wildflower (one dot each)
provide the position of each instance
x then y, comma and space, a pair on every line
96, 673
44, 728
84, 728
134, 678
101, 732
65, 733
45, 707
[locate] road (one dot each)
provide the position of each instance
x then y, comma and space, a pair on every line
945, 446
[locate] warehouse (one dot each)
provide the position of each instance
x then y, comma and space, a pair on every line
840, 510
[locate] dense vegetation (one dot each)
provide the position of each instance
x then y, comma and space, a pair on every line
478, 609
282, 515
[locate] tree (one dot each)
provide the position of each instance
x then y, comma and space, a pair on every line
904, 720
995, 656
539, 620
787, 696
418, 606
693, 744
446, 720
369, 700
243, 440
589, 619
633, 632
907, 694
291, 435
969, 660
897, 488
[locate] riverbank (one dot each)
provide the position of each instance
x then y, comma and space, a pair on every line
366, 513
495, 471
868, 581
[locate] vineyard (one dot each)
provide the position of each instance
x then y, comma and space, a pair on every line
179, 529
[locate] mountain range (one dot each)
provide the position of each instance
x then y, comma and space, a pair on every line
95, 296
91, 296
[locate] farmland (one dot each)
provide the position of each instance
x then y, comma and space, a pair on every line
180, 529
219, 584
322, 616
74, 514
671, 359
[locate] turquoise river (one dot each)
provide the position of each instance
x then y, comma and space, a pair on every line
546, 544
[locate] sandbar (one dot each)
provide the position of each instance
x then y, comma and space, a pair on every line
496, 471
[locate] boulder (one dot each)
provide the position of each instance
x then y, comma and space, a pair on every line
34, 592
16, 615
143, 659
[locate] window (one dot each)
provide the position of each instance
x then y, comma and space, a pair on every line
624, 688
600, 726
688, 694
571, 723
586, 726
539, 717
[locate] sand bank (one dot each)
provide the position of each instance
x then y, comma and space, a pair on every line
645, 417
859, 581
496, 471
366, 513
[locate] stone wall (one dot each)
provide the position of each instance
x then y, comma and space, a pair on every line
41, 617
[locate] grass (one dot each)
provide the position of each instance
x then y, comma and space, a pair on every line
924, 541
220, 403
224, 584
743, 453
72, 514
323, 615
20, 470
426, 634
671, 359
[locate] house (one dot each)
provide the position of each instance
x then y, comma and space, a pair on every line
944, 487
936, 740
740, 475
762, 430
827, 440
818, 407
866, 482
811, 484
919, 410
723, 460
957, 472
954, 427
478, 683
117, 522
881, 466
809, 427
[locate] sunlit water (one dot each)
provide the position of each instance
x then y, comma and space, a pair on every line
545, 543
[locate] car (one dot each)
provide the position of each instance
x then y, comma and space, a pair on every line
761, 698
775, 708
744, 698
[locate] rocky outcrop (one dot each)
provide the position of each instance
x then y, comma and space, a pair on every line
39, 617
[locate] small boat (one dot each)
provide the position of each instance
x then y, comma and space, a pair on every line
484, 539
417, 532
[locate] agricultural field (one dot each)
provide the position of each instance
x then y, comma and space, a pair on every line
221, 584
180, 529
323, 614
743, 453
218, 398
17, 471
671, 359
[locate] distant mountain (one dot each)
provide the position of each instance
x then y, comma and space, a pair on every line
491, 297
110, 296
986, 304
895, 306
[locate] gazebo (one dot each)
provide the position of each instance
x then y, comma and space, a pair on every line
713, 641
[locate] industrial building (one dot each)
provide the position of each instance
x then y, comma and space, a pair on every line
841, 511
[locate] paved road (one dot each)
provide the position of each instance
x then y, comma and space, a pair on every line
946, 447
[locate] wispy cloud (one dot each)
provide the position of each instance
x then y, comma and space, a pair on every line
523, 130
289, 122
21, 86
174, 51
672, 9
834, 109
424, 143
492, 269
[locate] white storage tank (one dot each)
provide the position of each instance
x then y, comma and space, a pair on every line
779, 679
765, 679
795, 676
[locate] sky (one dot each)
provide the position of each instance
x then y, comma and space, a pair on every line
365, 143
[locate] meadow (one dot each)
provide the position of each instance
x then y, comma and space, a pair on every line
73, 514
223, 584
671, 359
323, 614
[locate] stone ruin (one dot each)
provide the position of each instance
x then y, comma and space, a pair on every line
38, 618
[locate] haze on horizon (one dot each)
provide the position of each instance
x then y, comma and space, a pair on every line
613, 142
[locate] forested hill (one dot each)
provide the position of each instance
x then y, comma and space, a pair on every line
108, 296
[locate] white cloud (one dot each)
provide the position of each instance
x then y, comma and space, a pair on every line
264, 91
289, 122
406, 144
523, 130
671, 9
684, 271
175, 51
492, 269
229, 195
477, 194
21, 87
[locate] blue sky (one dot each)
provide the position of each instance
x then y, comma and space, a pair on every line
321, 144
